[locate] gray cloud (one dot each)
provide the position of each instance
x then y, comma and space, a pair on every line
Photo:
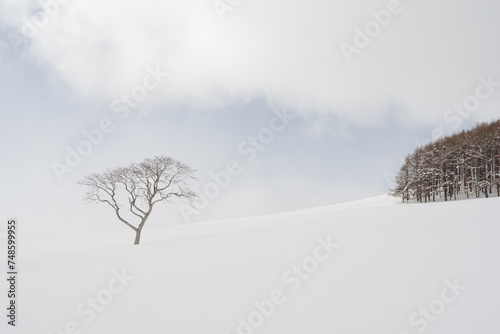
426, 58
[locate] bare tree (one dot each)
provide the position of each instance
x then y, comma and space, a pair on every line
142, 185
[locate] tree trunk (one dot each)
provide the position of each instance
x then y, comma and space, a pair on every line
138, 236
141, 225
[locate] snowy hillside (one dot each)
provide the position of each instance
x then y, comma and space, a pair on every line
371, 266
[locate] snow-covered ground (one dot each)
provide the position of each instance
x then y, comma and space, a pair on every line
370, 266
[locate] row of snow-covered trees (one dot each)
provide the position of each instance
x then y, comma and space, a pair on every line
466, 163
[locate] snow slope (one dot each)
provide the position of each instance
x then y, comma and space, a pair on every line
371, 266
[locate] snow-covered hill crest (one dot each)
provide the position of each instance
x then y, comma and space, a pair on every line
372, 266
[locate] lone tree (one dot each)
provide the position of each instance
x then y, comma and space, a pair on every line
142, 185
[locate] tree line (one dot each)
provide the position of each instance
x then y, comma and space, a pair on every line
466, 163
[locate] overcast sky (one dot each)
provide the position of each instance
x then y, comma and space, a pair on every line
357, 85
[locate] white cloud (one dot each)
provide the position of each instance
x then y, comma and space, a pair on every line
3, 47
428, 57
